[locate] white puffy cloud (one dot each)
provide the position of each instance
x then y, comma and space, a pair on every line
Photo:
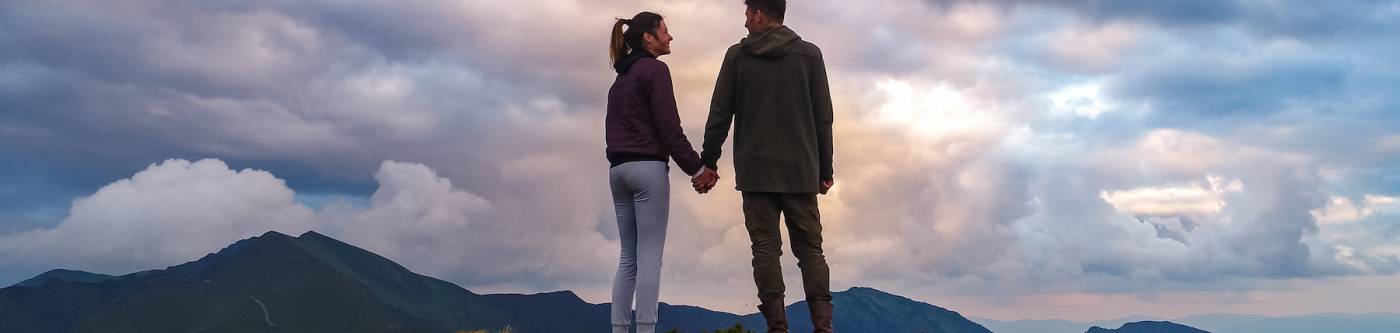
177, 211
1343, 209
1190, 200
169, 213
1086, 100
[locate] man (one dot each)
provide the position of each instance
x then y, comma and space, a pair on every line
772, 86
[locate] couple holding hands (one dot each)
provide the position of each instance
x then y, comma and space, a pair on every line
772, 88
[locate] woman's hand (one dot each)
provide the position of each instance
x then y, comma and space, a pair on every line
705, 181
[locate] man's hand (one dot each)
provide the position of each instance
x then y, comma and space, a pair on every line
705, 181
826, 185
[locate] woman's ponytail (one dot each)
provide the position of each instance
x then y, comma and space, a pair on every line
627, 42
618, 48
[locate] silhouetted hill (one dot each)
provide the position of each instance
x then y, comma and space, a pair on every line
1312, 323
1220, 323
1148, 327
869, 310
313, 283
270, 283
64, 275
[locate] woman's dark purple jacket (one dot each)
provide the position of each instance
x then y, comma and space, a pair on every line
642, 123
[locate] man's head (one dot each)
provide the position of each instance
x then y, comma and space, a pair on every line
760, 15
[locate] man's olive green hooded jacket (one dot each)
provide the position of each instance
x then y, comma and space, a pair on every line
772, 86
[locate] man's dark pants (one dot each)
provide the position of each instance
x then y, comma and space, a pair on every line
799, 211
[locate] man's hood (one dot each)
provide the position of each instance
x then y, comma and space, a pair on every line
774, 43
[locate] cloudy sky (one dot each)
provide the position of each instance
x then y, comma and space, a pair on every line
1073, 159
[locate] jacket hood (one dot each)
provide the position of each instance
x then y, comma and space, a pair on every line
774, 43
630, 59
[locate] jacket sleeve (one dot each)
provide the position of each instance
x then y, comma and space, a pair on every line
667, 120
821, 106
721, 112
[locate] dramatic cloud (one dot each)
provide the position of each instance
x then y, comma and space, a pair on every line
169, 213
1343, 210
1194, 199
1000, 155
178, 211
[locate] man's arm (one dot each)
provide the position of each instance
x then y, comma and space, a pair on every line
721, 112
821, 106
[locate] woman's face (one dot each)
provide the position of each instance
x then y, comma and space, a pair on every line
660, 43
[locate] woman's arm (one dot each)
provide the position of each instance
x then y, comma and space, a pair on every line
667, 120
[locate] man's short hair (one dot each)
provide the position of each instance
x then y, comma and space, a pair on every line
772, 8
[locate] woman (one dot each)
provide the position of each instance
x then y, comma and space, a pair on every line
643, 131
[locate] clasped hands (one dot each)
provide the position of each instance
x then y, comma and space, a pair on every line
708, 177
705, 181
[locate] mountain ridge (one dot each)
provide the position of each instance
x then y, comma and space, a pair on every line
279, 283
1148, 327
1219, 323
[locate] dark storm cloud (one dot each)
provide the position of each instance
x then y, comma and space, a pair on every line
139, 81
316, 93
1191, 89
1188, 12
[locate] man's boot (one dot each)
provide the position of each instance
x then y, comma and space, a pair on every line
776, 315
822, 312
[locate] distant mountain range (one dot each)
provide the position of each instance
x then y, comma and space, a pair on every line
1148, 327
1220, 323
313, 283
